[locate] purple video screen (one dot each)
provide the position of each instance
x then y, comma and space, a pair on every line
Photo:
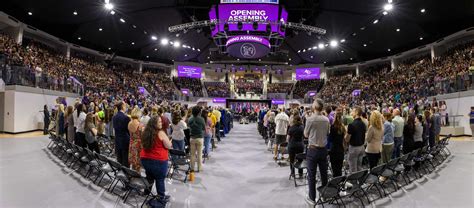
218, 100
247, 14
189, 71
278, 102
307, 73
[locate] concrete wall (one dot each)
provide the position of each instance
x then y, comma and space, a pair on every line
22, 106
459, 104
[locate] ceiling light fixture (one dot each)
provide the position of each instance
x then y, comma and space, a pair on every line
134, 26
304, 50
365, 45
194, 49
398, 29
343, 40
389, 50
79, 38
147, 56
108, 5
30, 13
321, 46
122, 20
133, 43
100, 29
156, 49
185, 55
176, 44
342, 51
376, 21
164, 41
333, 43
110, 48
311, 57
112, 12
351, 59
299, 51
199, 50
422, 10
74, 13
384, 12
388, 7
315, 47
154, 37
421, 38
309, 49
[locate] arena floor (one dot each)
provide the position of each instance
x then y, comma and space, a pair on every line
240, 173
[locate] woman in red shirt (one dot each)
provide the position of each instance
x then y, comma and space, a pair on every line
154, 154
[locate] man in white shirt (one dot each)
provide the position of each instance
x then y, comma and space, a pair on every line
282, 121
399, 124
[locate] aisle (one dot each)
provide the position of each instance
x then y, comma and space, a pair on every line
240, 173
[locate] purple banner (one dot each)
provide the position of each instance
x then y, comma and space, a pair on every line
185, 91
189, 71
307, 73
278, 102
247, 14
218, 100
248, 38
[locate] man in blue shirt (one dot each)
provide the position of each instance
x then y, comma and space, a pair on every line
122, 136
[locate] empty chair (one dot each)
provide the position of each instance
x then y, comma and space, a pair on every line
373, 179
330, 192
136, 183
178, 158
301, 165
389, 173
354, 183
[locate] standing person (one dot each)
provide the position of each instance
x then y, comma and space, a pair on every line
80, 132
207, 133
109, 127
443, 113
70, 124
388, 138
197, 126
122, 136
135, 128
436, 125
145, 118
282, 121
418, 136
46, 119
217, 127
374, 139
408, 135
60, 121
91, 133
399, 123
178, 126
356, 137
471, 121
316, 130
295, 142
426, 127
336, 137
154, 155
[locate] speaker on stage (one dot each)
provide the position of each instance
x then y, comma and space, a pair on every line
270, 78
226, 77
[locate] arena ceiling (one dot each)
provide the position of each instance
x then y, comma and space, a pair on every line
411, 23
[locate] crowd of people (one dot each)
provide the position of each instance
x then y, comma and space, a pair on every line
142, 135
411, 82
279, 88
217, 89
244, 85
192, 84
351, 134
303, 86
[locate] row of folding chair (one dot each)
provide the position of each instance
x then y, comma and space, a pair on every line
384, 177
96, 167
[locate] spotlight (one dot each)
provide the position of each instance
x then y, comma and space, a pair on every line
321, 46
422, 10
311, 57
79, 38
199, 50
365, 45
133, 43
164, 41
343, 40
333, 43
134, 26
351, 59
384, 12
304, 50
184, 46
421, 38
376, 21
154, 37
176, 44
398, 29
299, 51
156, 49
30, 13
315, 47
122, 20
74, 13
147, 56
185, 55
388, 50
388, 7
112, 12
194, 49
108, 5
309, 49
342, 51
100, 29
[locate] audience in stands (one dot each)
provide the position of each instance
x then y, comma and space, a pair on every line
244, 85
217, 89
192, 84
302, 87
279, 88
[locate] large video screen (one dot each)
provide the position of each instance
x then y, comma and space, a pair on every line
189, 71
307, 73
247, 14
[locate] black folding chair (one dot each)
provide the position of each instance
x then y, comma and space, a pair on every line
399, 169
330, 192
373, 179
389, 174
136, 183
409, 165
104, 167
119, 176
299, 164
281, 153
355, 189
178, 158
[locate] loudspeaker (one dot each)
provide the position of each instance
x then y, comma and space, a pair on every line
270, 78
226, 77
